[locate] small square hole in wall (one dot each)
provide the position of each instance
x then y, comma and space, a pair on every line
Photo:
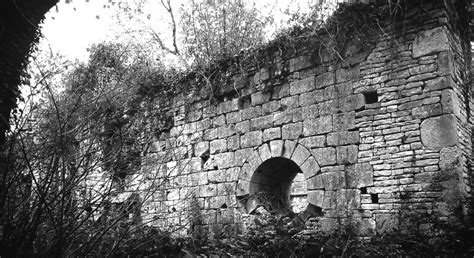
371, 97
374, 198
363, 190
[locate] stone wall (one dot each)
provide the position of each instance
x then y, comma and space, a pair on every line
382, 137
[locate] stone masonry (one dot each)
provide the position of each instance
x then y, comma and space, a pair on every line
381, 139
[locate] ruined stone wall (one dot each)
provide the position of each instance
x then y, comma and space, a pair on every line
382, 138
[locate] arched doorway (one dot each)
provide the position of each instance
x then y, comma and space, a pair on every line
278, 184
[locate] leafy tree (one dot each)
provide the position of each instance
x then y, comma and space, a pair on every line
215, 29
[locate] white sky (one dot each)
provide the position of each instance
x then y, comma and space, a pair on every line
71, 28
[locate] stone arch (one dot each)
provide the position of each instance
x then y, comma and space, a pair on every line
268, 157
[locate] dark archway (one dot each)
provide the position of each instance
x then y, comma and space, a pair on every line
271, 185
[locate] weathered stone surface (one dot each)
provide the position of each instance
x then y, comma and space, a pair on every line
344, 121
348, 199
351, 102
276, 147
262, 122
300, 86
316, 197
430, 41
334, 180
449, 158
259, 98
251, 139
343, 74
299, 63
324, 80
292, 131
439, 83
313, 141
325, 156
318, 125
310, 167
218, 146
271, 134
233, 142
200, 148
346, 154
343, 138
359, 175
264, 151
439, 132
288, 148
315, 182
300, 154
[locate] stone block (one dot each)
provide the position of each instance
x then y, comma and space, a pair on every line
348, 74
359, 175
276, 147
227, 106
430, 41
264, 151
259, 98
325, 156
445, 63
449, 158
316, 197
324, 80
233, 117
288, 148
310, 167
343, 138
313, 141
346, 154
439, 132
300, 155
311, 111
270, 107
243, 127
218, 146
292, 131
344, 121
427, 111
315, 182
334, 180
351, 102
318, 125
251, 139
218, 121
311, 97
328, 107
241, 155
200, 148
233, 142
300, 86
299, 63
330, 200
232, 174
208, 190
329, 92
254, 161
242, 188
283, 117
262, 122
251, 112
246, 173
271, 134
348, 199
439, 83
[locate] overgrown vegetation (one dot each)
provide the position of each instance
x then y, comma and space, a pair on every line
80, 139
